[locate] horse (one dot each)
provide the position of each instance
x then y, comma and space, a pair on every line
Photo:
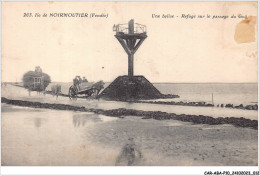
97, 87
56, 90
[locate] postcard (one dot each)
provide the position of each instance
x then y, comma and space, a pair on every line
129, 84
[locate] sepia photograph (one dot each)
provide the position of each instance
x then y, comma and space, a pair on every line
129, 83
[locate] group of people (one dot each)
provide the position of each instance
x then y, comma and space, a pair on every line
78, 80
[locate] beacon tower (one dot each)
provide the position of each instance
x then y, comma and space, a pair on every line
130, 87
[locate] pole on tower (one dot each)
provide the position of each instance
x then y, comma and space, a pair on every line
130, 37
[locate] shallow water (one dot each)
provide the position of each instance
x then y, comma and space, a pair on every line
65, 138
223, 93
47, 137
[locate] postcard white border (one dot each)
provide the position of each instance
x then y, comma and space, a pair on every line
127, 170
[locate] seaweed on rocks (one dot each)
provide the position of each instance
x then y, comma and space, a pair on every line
158, 115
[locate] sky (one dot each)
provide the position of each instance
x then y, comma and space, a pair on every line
176, 50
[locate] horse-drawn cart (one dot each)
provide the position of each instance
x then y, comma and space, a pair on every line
88, 91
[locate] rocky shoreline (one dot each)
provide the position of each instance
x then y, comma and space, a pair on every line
158, 115
241, 106
178, 103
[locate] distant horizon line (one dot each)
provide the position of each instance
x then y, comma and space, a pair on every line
160, 82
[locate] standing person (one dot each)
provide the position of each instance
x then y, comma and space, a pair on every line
80, 80
76, 83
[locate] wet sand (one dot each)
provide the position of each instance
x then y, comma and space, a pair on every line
50, 137
44, 137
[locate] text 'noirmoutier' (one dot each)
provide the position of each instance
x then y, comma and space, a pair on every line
67, 15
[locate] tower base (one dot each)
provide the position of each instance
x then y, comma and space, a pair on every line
126, 88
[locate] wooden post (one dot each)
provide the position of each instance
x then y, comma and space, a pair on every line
130, 65
212, 99
131, 28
